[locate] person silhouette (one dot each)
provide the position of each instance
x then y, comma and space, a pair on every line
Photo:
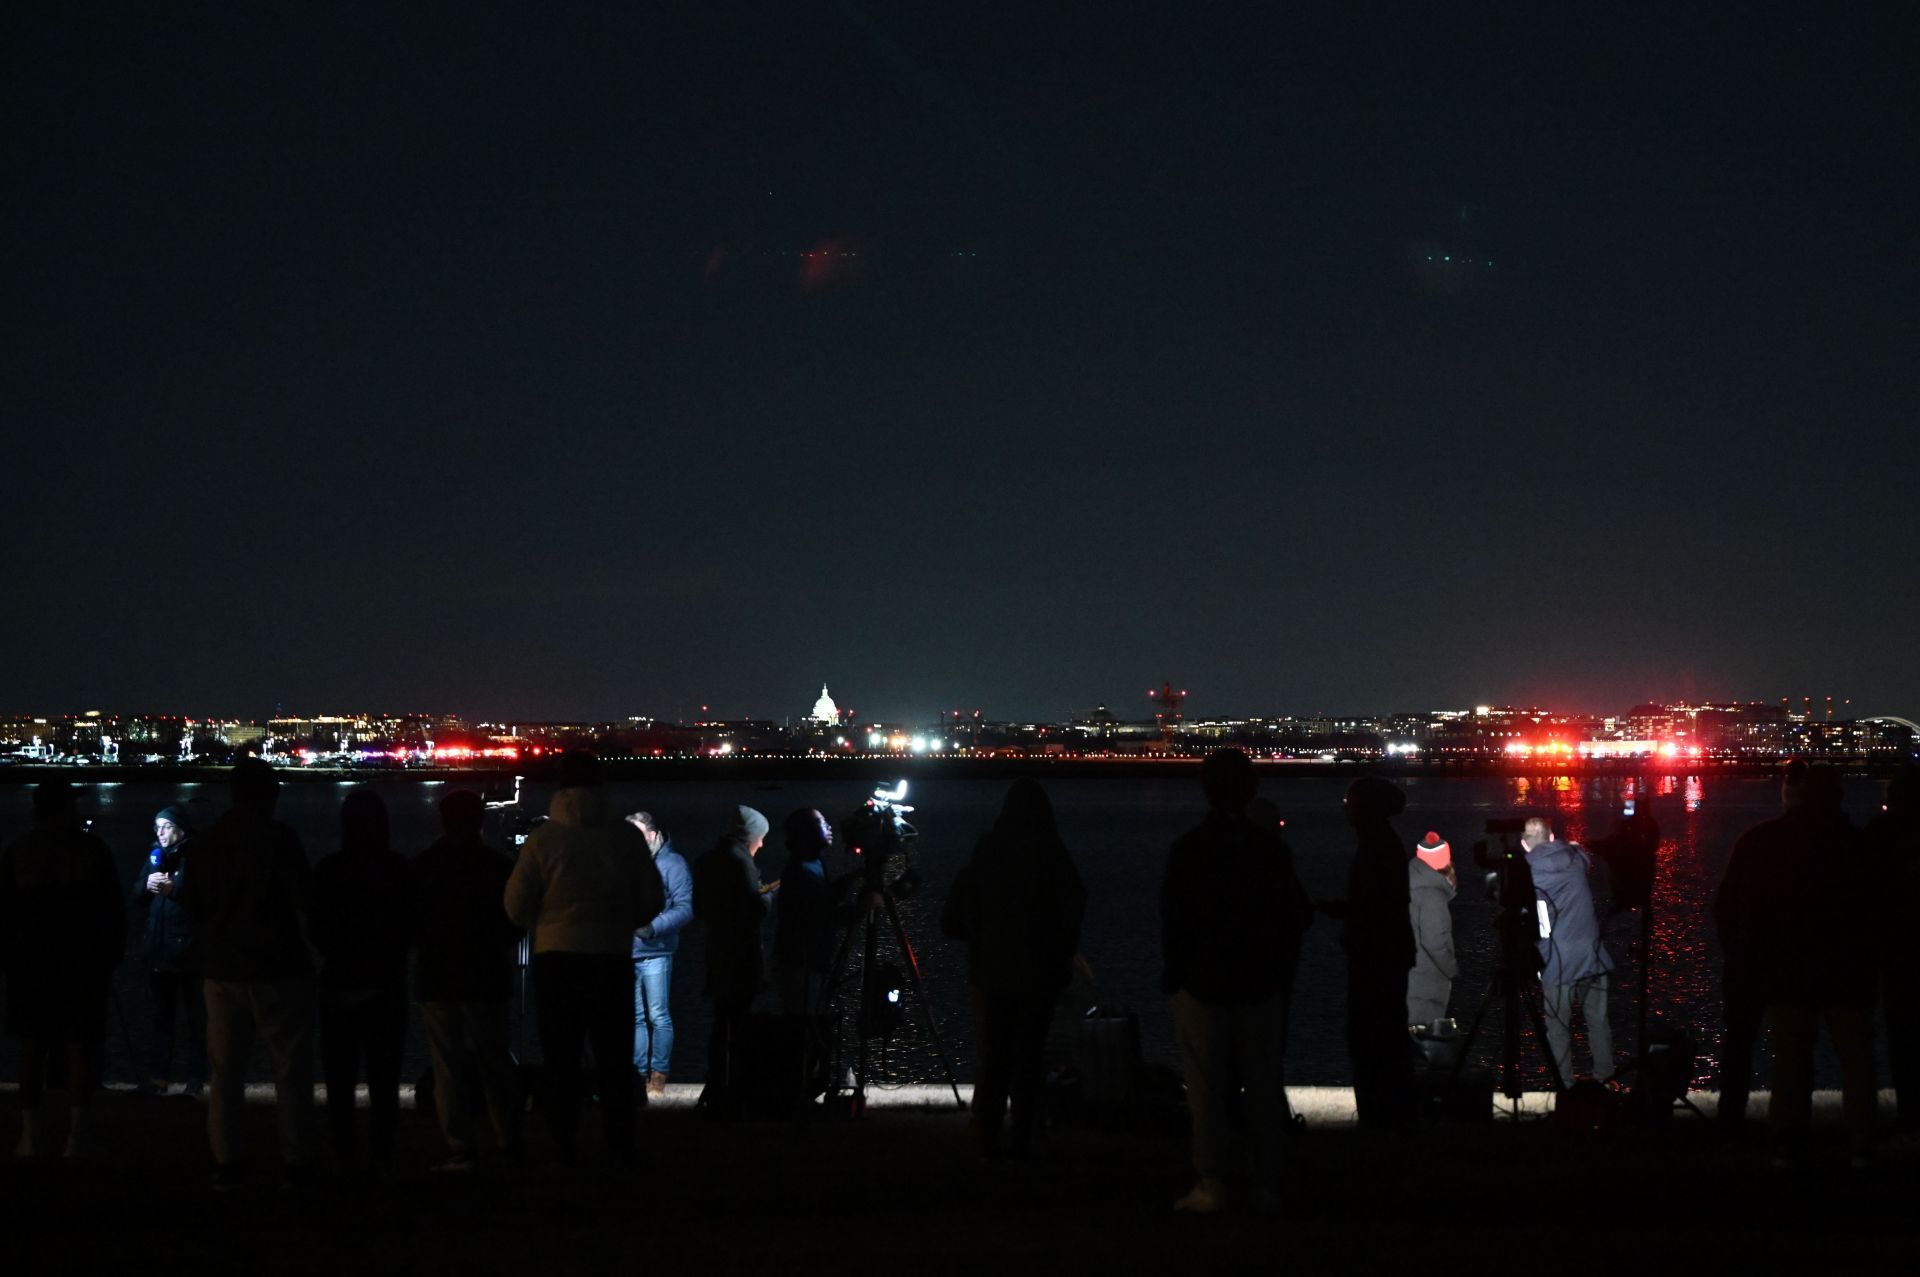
1017, 904
363, 915
1227, 939
62, 932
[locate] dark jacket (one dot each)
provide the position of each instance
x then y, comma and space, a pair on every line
1018, 905
1228, 931
1377, 932
1795, 910
1892, 842
363, 911
248, 895
463, 939
728, 900
167, 943
804, 916
1434, 966
1571, 950
676, 883
63, 917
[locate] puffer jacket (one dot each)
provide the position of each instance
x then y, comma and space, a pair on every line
585, 880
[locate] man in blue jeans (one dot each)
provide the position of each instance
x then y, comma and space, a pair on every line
653, 949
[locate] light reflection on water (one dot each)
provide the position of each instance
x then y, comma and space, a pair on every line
1119, 831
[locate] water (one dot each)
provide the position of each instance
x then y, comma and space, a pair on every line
1118, 831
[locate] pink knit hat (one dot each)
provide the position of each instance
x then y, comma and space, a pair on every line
1434, 851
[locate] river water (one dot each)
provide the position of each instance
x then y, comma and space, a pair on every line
1118, 832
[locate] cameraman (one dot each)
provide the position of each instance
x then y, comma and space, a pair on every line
1575, 964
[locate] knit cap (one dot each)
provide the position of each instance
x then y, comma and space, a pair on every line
749, 822
1434, 851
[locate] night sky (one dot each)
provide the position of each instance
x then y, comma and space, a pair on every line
566, 361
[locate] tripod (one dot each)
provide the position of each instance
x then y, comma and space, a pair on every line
1506, 979
866, 923
1512, 887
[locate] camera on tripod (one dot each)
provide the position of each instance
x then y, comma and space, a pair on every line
1510, 888
877, 836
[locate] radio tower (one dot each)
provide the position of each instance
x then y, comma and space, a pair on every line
1169, 712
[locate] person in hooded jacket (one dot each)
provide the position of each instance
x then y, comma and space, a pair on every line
730, 902
584, 883
1576, 969
654, 945
363, 913
1377, 933
1893, 852
1018, 905
1431, 883
173, 973
1226, 942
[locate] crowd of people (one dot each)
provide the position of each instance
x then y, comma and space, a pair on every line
244, 940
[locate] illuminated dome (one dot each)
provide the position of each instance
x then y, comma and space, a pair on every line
824, 710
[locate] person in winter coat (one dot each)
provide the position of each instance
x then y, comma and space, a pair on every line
654, 945
1575, 967
1795, 910
1377, 933
1431, 882
1018, 905
363, 913
804, 914
729, 901
463, 976
584, 883
63, 921
1893, 859
173, 970
1296, 912
249, 892
1226, 943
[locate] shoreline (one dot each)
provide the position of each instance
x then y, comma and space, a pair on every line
879, 768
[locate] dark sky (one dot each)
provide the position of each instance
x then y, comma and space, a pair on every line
467, 358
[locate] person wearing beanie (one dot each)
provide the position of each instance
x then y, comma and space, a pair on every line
62, 931
173, 975
729, 901
1431, 882
584, 883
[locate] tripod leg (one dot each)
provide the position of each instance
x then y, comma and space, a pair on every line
830, 1004
865, 1029
920, 993
1473, 1030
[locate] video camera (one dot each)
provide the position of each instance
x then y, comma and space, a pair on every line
1510, 887
877, 836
